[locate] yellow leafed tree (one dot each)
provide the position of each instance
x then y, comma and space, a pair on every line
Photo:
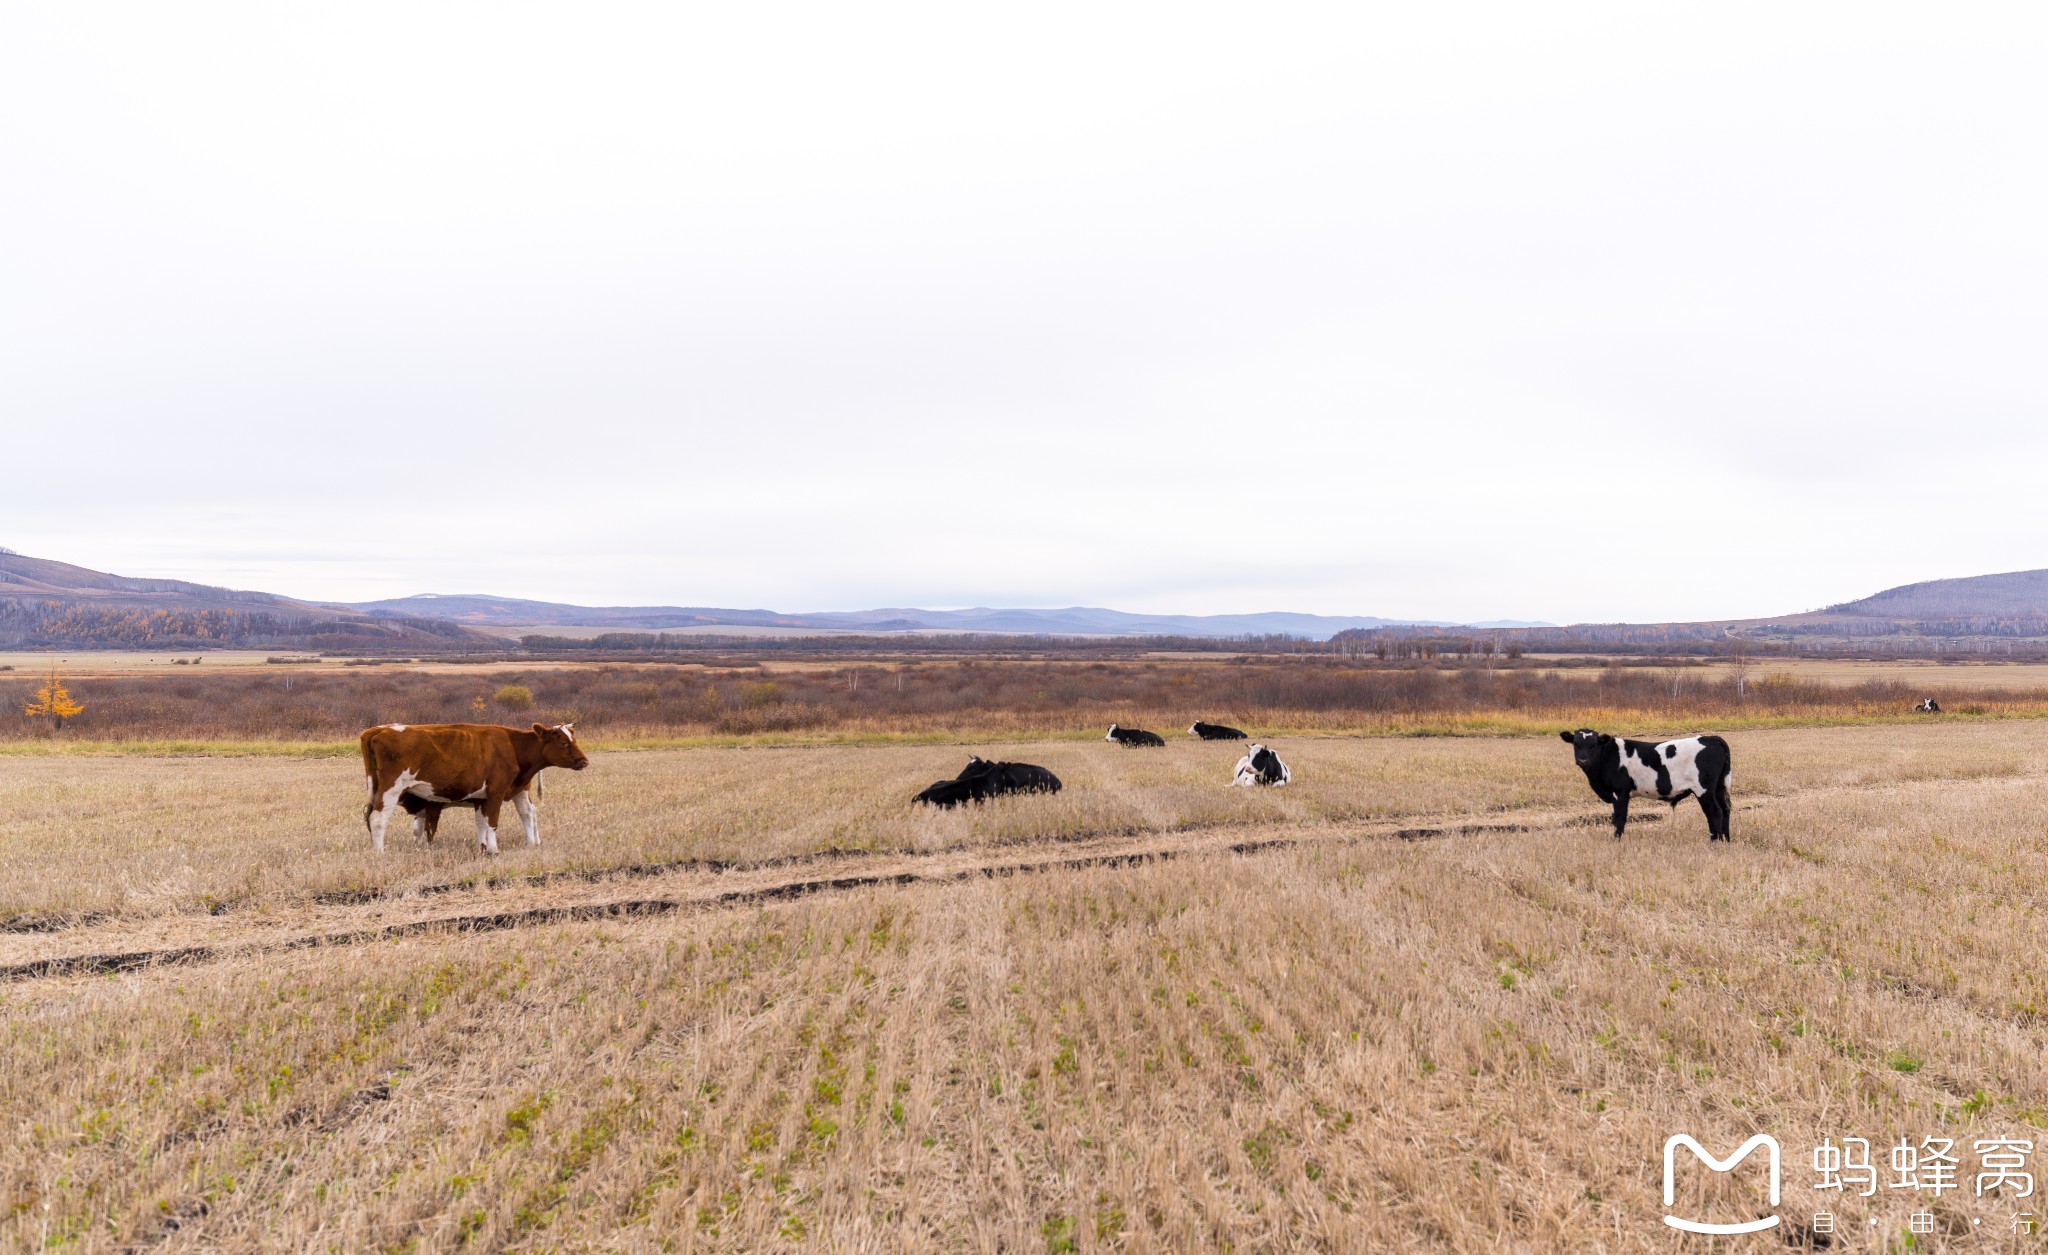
53, 700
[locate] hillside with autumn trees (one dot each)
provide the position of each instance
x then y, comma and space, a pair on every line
47, 604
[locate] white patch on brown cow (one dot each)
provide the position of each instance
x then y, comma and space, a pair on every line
425, 792
381, 816
396, 727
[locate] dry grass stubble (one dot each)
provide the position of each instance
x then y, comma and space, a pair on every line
1474, 1043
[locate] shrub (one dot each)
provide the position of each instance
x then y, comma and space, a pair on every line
764, 693
513, 697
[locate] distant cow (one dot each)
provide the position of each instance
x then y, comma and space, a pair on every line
1670, 771
438, 765
1261, 766
982, 778
1128, 737
1215, 732
1929, 706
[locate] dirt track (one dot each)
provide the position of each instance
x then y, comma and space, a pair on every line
52, 949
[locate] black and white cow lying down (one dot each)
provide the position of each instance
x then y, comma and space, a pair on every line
1261, 766
1128, 737
1929, 707
1215, 731
983, 779
1670, 771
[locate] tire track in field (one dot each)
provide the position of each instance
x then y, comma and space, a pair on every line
799, 876
936, 867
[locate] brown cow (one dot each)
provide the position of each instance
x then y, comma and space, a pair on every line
461, 764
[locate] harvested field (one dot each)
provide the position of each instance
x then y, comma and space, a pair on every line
1416, 1001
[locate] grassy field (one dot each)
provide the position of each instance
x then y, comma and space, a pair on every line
1936, 676
313, 709
1419, 1000
97, 662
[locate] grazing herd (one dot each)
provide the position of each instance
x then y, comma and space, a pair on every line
423, 769
982, 779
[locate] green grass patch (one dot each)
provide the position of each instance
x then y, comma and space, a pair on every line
1626, 722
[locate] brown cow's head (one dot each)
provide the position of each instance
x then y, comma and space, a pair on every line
558, 746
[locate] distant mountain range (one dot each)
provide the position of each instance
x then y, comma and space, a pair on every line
500, 613
44, 603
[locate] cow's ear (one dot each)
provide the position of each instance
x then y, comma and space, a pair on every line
540, 727
1565, 737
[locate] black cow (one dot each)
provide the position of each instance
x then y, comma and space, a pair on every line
1261, 766
1670, 771
981, 778
1128, 737
1929, 707
1215, 732
946, 794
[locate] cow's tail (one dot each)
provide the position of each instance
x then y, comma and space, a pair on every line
369, 775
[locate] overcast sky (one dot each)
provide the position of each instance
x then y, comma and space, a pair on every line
1635, 311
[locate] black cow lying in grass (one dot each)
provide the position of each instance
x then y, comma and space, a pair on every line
1215, 732
1929, 707
1127, 737
1670, 771
1261, 766
983, 779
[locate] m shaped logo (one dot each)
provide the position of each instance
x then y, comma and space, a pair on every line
1677, 1140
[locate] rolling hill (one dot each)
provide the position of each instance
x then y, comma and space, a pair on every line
2020, 594
44, 603
2004, 614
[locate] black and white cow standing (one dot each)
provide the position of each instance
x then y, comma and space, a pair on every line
1261, 766
1215, 731
1929, 707
1128, 737
1670, 771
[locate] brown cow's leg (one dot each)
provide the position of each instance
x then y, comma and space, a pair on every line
529, 815
487, 812
385, 789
